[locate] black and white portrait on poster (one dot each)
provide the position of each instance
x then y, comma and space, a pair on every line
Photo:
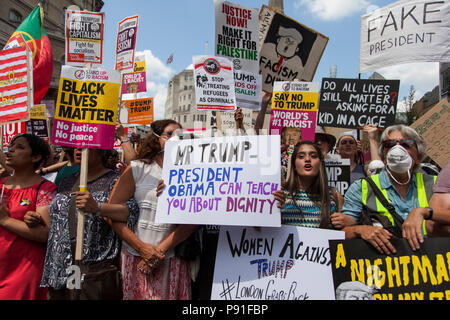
289, 49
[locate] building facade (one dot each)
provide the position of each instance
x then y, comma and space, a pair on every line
13, 12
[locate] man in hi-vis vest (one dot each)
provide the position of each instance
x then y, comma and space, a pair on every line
387, 204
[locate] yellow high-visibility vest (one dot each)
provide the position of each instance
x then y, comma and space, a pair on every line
424, 192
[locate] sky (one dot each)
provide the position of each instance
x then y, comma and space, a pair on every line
184, 27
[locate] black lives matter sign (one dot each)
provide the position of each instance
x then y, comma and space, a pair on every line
354, 103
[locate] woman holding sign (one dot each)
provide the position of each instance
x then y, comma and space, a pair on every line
347, 147
22, 249
150, 270
310, 202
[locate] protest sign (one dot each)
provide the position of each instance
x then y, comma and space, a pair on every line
126, 42
16, 84
227, 124
434, 128
37, 125
136, 81
287, 263
294, 104
237, 40
10, 130
289, 50
86, 108
223, 181
353, 103
338, 173
214, 84
84, 37
404, 32
361, 272
140, 111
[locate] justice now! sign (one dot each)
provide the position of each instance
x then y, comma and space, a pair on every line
86, 108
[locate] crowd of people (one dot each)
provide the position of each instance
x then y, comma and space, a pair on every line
390, 196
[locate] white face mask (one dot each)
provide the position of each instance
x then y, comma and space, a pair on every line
398, 159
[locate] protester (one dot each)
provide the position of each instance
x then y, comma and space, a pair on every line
348, 149
325, 141
309, 200
22, 249
402, 150
128, 150
150, 269
101, 245
69, 168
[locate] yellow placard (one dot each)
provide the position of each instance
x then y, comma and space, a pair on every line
38, 112
305, 101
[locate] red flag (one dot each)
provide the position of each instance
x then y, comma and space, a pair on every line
31, 32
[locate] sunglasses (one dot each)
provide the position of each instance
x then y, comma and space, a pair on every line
405, 143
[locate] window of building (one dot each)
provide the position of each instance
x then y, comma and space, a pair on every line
15, 16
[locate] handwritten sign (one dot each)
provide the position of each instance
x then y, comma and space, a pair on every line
405, 32
15, 84
37, 125
289, 49
86, 108
84, 37
126, 43
294, 104
287, 263
353, 103
434, 128
214, 84
140, 111
223, 181
360, 271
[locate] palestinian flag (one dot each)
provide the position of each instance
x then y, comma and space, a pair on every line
32, 33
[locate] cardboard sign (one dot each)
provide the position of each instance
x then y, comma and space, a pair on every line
360, 272
37, 125
86, 108
434, 128
214, 84
223, 181
16, 83
405, 32
84, 37
338, 173
140, 111
294, 105
289, 50
353, 103
287, 263
126, 42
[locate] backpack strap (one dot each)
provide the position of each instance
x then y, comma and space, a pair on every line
398, 220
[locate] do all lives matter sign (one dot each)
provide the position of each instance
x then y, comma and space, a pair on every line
354, 103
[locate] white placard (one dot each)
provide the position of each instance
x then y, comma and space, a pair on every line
287, 263
404, 32
221, 181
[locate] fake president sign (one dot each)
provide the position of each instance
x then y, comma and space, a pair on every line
222, 181
86, 108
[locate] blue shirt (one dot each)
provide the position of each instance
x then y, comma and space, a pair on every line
353, 197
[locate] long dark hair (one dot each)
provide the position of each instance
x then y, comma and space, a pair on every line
150, 145
38, 147
319, 187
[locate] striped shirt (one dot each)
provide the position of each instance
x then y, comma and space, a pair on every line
291, 215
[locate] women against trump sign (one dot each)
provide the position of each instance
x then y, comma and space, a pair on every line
222, 181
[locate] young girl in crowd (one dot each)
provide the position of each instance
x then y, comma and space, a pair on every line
22, 249
150, 271
310, 202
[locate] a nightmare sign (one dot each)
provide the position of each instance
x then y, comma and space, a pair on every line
360, 272
354, 103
